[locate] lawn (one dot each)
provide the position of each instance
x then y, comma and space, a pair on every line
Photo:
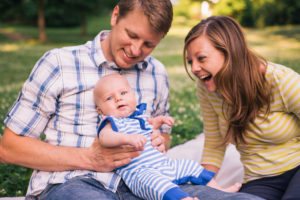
17, 57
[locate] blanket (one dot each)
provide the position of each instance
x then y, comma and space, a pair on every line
231, 170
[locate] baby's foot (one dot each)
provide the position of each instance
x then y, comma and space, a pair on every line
190, 198
234, 188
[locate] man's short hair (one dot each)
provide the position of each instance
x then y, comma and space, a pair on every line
159, 12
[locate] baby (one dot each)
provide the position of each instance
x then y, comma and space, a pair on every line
152, 175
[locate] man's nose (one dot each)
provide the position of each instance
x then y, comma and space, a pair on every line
136, 48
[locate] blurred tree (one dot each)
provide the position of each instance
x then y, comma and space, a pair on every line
238, 9
16, 11
276, 12
56, 12
41, 21
82, 9
188, 8
260, 13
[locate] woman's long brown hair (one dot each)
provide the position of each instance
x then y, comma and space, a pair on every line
241, 80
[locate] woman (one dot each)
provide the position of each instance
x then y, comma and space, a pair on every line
249, 102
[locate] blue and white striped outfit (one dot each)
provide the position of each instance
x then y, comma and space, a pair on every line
152, 175
57, 100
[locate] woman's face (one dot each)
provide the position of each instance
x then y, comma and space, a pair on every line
205, 61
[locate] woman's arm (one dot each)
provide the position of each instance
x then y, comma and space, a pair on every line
211, 109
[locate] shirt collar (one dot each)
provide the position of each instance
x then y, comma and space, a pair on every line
101, 61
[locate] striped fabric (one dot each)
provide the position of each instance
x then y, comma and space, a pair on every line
152, 175
57, 100
273, 144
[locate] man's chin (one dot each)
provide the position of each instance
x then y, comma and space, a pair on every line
125, 65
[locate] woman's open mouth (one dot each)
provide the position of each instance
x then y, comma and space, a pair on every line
205, 77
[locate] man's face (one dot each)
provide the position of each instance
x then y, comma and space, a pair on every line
131, 38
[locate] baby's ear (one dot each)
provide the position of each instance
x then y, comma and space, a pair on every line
99, 111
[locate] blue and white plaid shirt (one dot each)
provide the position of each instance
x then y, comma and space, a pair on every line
57, 100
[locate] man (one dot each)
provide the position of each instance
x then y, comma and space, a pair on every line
57, 100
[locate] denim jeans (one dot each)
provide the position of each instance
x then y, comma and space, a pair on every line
87, 188
281, 187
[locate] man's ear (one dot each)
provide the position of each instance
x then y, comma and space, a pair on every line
114, 16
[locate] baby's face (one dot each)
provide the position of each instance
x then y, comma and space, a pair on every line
116, 98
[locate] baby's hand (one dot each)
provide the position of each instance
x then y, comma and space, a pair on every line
136, 140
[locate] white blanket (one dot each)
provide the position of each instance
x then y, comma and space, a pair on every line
231, 170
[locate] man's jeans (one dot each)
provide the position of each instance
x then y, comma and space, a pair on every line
86, 188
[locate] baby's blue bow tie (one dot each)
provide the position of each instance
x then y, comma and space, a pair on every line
140, 110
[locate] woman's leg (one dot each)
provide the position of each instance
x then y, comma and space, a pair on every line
274, 188
293, 190
208, 193
266, 188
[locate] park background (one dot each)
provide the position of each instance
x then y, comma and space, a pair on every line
29, 28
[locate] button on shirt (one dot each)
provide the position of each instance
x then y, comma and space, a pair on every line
57, 100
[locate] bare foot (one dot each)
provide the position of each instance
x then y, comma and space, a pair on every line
233, 188
190, 198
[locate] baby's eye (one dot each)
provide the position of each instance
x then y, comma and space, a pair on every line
123, 93
109, 98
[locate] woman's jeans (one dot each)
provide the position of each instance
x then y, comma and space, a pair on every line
86, 188
283, 187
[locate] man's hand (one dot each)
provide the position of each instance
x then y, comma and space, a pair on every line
157, 122
103, 159
160, 141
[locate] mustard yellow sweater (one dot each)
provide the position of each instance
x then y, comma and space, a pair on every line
273, 144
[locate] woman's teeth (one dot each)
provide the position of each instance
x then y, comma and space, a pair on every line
205, 77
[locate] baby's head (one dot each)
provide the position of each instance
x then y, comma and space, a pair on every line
114, 97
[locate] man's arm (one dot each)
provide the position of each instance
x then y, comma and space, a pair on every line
36, 154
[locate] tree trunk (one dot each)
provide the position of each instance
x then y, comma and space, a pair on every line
83, 25
41, 21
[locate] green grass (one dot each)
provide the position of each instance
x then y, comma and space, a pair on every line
277, 44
